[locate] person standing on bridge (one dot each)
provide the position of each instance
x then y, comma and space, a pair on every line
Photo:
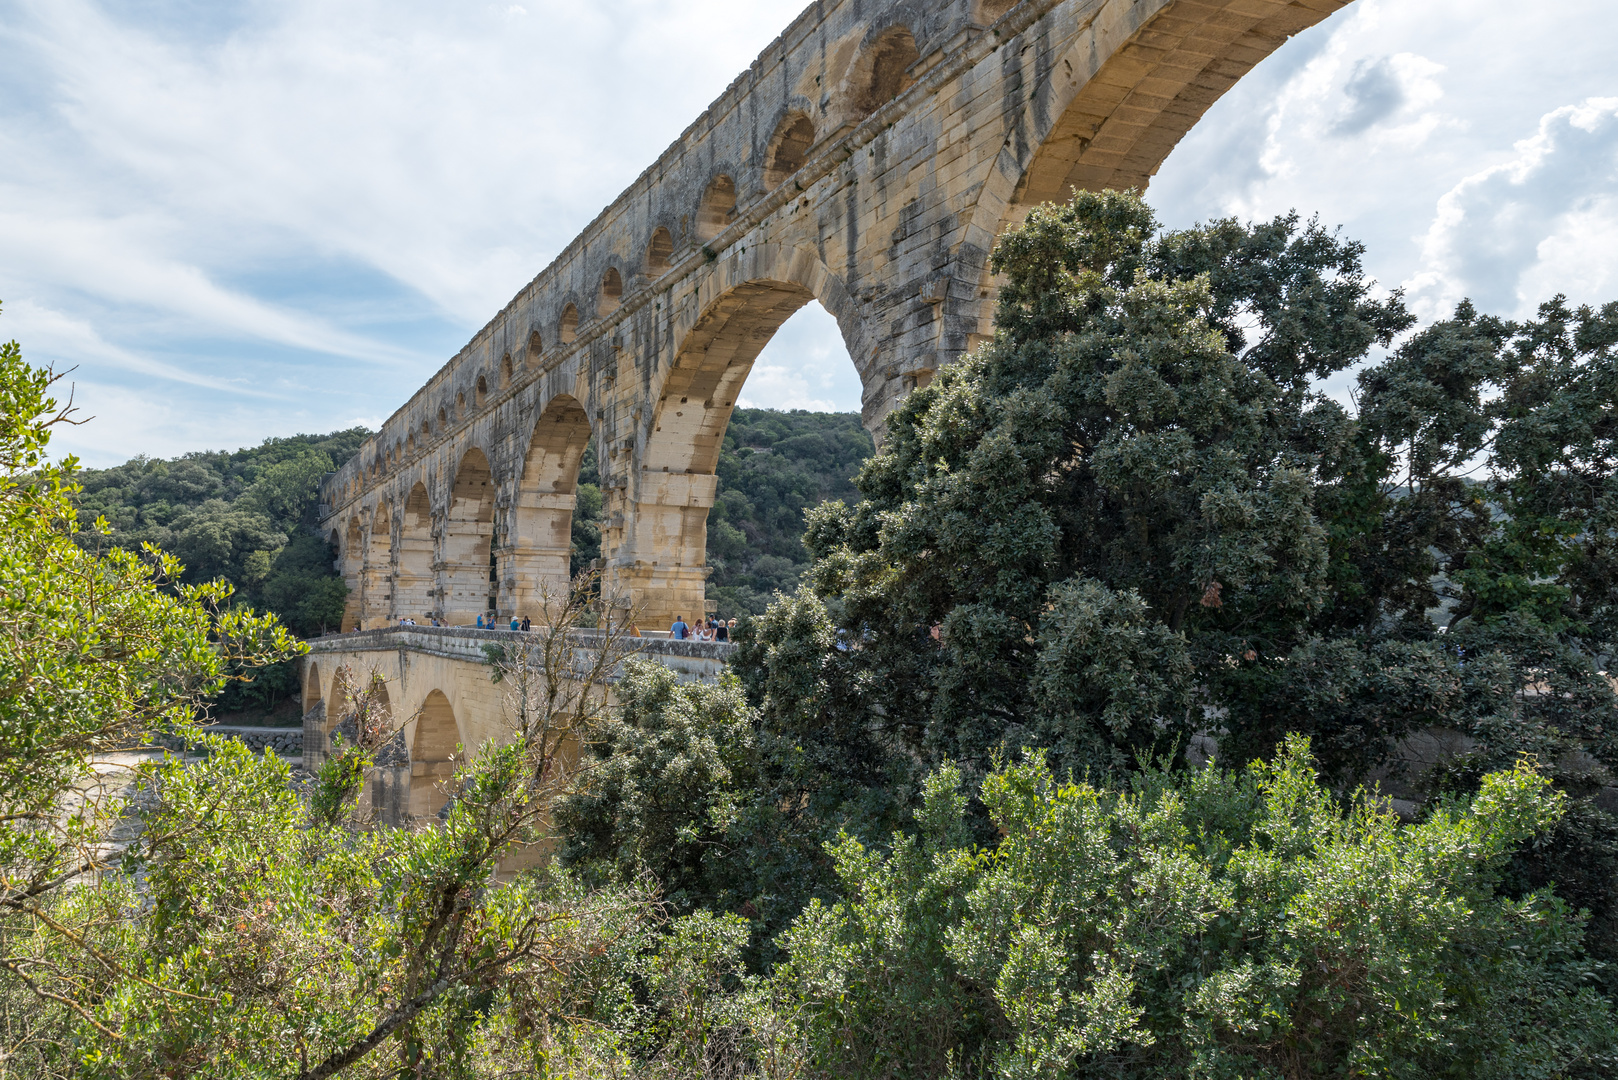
679, 629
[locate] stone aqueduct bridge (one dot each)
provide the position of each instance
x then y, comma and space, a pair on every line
867, 160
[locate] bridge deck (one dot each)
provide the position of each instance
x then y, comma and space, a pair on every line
466, 643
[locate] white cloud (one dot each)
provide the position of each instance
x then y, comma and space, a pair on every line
54, 337
1515, 233
805, 366
265, 187
1437, 134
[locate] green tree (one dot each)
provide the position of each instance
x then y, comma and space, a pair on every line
1218, 924
97, 653
253, 930
1135, 516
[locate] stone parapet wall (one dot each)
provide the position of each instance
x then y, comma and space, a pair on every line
695, 659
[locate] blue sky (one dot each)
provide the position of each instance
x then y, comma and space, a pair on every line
251, 219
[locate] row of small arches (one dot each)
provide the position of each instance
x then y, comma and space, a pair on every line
880, 75
884, 70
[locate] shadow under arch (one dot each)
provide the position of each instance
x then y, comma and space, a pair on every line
353, 560
432, 755
468, 542
538, 549
660, 551
312, 694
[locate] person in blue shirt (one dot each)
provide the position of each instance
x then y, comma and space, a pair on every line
514, 623
679, 629
480, 620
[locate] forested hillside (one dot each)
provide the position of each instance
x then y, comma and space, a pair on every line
245, 516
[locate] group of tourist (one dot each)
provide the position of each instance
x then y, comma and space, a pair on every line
705, 630
488, 623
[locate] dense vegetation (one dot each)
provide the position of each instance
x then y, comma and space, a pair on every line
773, 468
245, 517
943, 817
1134, 518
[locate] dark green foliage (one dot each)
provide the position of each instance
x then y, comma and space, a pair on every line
1135, 515
247, 518
586, 514
773, 468
1145, 420
730, 807
674, 764
1217, 925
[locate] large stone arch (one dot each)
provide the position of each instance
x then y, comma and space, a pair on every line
467, 543
1106, 111
415, 584
539, 539
433, 745
660, 536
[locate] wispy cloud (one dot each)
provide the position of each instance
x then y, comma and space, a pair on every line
59, 337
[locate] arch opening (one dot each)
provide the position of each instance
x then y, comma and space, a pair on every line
414, 590
882, 71
659, 253
379, 568
1115, 129
612, 292
311, 686
788, 149
432, 755
337, 705
659, 551
538, 550
467, 541
569, 328
717, 209
505, 370
482, 390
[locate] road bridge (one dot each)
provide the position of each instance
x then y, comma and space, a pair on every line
434, 682
867, 161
